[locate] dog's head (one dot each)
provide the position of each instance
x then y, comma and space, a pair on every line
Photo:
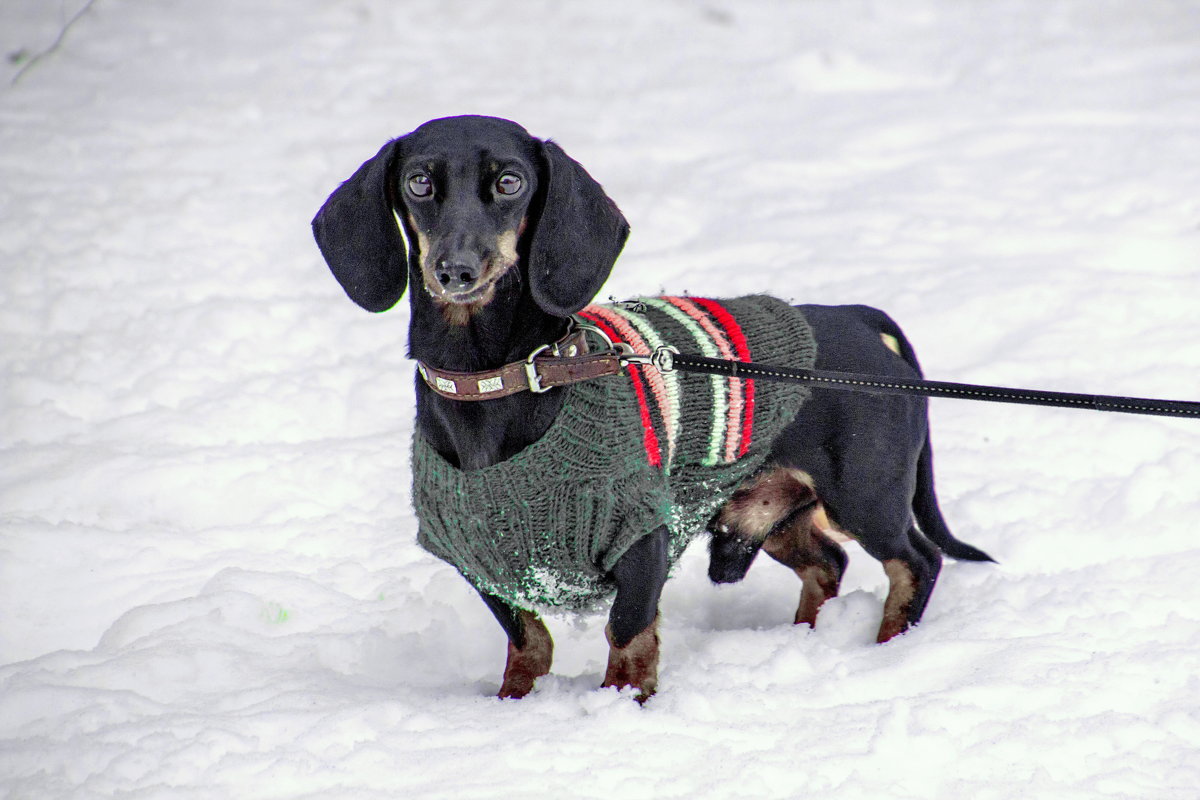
477, 204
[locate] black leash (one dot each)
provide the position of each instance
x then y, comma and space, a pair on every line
665, 360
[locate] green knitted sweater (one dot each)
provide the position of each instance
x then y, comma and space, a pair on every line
626, 454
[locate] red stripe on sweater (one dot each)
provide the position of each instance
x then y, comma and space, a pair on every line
649, 437
735, 392
742, 347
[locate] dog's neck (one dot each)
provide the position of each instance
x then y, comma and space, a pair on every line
490, 337
476, 435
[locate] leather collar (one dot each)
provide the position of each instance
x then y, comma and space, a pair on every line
565, 362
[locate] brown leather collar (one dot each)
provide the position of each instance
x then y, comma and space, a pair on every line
565, 362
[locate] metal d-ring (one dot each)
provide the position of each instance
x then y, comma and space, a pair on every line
584, 326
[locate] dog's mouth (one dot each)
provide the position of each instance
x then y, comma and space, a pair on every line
482, 288
459, 305
480, 294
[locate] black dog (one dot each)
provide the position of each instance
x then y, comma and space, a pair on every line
504, 238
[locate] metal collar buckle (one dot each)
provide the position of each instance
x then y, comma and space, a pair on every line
531, 373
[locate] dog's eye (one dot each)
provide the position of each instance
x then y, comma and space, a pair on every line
420, 186
508, 183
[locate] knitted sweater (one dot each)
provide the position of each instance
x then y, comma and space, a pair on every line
626, 454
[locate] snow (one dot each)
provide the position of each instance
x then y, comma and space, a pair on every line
208, 571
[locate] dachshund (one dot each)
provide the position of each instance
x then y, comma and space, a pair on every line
504, 238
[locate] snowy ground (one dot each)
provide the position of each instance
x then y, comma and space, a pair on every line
208, 577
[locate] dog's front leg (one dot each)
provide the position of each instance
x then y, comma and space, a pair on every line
633, 622
530, 648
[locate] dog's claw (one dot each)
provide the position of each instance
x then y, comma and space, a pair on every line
640, 698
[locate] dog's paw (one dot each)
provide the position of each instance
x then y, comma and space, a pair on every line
525, 666
635, 664
730, 557
515, 689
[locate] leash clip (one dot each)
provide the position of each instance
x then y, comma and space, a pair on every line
662, 359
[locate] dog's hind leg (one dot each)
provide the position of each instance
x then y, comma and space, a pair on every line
758, 507
876, 511
910, 582
633, 622
530, 648
912, 565
818, 561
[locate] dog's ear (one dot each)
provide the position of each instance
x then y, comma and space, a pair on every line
360, 238
577, 237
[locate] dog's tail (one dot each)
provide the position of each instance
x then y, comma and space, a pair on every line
925, 505
929, 514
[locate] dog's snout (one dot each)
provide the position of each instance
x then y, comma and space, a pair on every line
458, 272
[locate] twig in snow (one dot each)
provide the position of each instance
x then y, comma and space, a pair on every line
62, 34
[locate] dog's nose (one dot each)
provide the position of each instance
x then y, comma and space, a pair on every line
458, 273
